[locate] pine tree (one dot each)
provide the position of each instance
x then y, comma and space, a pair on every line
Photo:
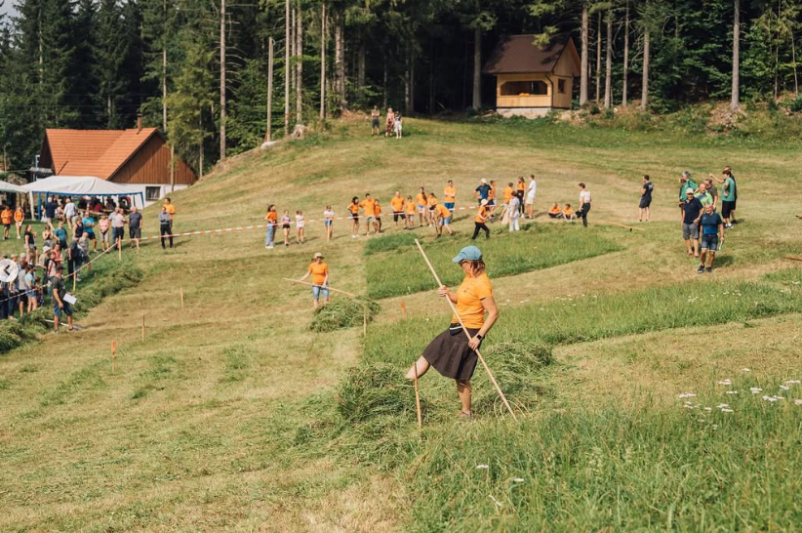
111, 52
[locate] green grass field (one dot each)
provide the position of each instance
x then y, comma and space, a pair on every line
244, 411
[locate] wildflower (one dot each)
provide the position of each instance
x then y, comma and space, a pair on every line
708, 408
518, 479
731, 392
727, 382
792, 382
482, 467
755, 390
722, 406
686, 395
785, 387
797, 402
727, 411
715, 426
745, 370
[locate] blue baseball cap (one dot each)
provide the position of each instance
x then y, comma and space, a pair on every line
469, 253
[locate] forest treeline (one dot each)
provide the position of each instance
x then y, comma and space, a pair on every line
201, 70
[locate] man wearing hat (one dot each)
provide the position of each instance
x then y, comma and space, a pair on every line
481, 218
320, 279
59, 304
482, 191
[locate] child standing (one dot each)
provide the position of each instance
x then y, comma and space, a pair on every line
285, 226
328, 215
299, 227
397, 126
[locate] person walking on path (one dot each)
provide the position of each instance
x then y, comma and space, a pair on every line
645, 199
692, 210
480, 221
59, 304
375, 119
729, 196
166, 230
320, 279
135, 227
353, 215
451, 353
19, 218
328, 223
531, 191
584, 204
712, 237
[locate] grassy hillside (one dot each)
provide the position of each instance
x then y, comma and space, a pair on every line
234, 415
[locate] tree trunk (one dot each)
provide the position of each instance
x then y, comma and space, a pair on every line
339, 65
583, 76
222, 80
384, 82
299, 70
793, 61
476, 102
164, 89
269, 134
598, 57
644, 97
626, 57
360, 65
323, 62
608, 72
200, 146
735, 104
287, 45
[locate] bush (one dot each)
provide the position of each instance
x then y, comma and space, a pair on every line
341, 314
795, 105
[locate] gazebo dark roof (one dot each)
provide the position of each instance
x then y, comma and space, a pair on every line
516, 54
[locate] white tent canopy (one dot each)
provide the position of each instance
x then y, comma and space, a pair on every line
10, 187
78, 186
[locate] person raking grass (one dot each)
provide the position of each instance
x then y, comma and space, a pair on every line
320, 279
451, 353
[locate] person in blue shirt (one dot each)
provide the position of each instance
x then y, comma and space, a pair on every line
89, 229
482, 191
712, 237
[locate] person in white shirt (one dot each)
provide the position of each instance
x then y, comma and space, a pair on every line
69, 213
531, 190
513, 214
584, 204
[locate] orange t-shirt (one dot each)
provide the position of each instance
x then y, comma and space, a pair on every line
432, 202
19, 216
442, 211
420, 199
568, 211
469, 301
555, 210
319, 272
410, 208
377, 209
170, 210
507, 194
521, 186
482, 215
272, 217
491, 194
397, 204
450, 194
353, 209
6, 216
369, 207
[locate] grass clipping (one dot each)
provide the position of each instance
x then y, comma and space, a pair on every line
343, 313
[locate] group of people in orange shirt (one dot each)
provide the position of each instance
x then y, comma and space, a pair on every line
8, 217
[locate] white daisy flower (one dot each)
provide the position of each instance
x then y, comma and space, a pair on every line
731, 392
482, 467
745, 370
726, 382
797, 402
785, 387
755, 390
727, 411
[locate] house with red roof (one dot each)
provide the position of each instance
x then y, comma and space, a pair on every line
533, 79
136, 158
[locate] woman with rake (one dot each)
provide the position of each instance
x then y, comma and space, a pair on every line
451, 353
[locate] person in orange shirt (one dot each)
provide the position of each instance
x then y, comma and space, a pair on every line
452, 353
555, 211
271, 218
568, 213
520, 191
377, 210
432, 205
320, 279
409, 219
397, 203
353, 214
6, 216
168, 204
368, 206
491, 198
422, 202
450, 196
19, 218
442, 220
480, 221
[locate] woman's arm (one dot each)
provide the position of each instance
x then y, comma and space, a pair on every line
490, 306
308, 272
443, 291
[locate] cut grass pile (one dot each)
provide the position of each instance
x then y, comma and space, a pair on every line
343, 313
538, 246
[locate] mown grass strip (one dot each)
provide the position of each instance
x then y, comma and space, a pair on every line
540, 246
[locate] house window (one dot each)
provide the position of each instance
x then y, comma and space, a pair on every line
524, 88
152, 194
561, 86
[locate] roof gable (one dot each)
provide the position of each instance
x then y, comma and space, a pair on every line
99, 153
517, 54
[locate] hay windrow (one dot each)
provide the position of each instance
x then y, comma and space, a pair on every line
343, 313
375, 390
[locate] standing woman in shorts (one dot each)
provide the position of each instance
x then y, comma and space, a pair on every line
328, 222
375, 116
320, 279
645, 198
285, 226
353, 214
451, 353
520, 191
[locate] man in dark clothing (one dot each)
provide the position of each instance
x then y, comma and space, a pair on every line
50, 210
712, 237
135, 226
482, 191
59, 304
645, 199
692, 209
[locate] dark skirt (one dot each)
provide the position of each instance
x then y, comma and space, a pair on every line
450, 355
